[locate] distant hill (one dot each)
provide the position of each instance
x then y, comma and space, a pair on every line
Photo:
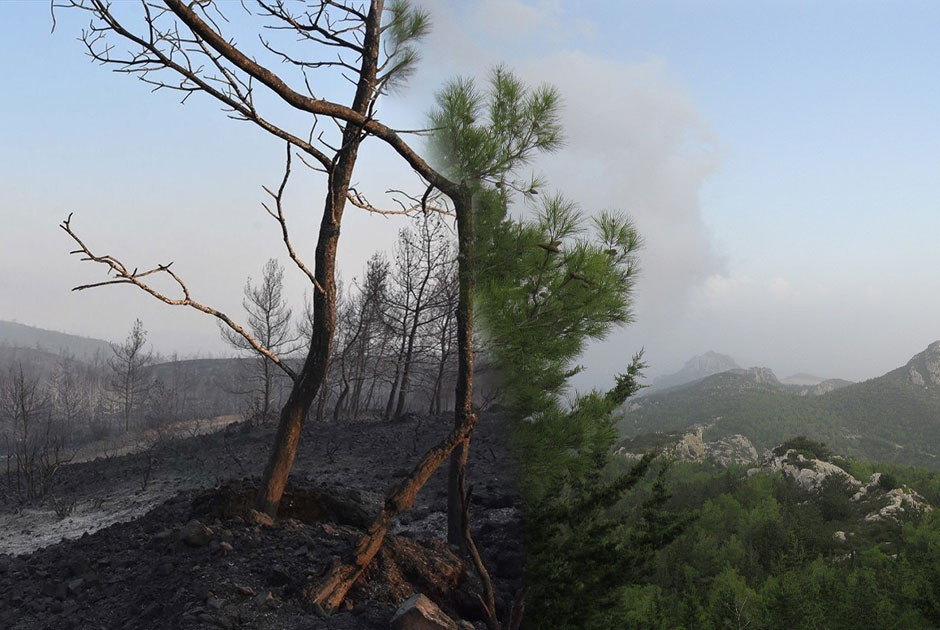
895, 417
695, 369
16, 335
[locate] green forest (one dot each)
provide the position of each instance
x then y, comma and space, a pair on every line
760, 552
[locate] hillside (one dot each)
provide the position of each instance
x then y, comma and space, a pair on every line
895, 417
802, 539
17, 335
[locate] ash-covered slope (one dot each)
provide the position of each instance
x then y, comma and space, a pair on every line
199, 560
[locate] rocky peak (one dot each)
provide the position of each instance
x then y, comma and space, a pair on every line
711, 363
696, 368
924, 368
763, 375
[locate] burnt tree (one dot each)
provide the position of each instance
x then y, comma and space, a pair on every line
176, 45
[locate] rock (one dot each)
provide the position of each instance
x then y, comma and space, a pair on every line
839, 536
734, 449
226, 547
809, 474
259, 518
264, 599
245, 590
195, 534
691, 447
900, 501
420, 613
278, 576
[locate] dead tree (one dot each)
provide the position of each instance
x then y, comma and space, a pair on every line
269, 322
411, 306
70, 394
175, 45
129, 384
369, 350
35, 445
442, 329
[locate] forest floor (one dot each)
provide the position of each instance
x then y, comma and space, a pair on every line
114, 544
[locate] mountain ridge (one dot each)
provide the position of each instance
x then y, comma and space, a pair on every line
894, 417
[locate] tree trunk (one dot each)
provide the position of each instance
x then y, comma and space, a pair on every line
310, 379
463, 403
344, 392
395, 381
324, 395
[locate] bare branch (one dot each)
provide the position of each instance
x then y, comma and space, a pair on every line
282, 220
358, 199
123, 276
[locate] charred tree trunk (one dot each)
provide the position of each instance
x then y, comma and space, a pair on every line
312, 375
332, 590
344, 391
396, 381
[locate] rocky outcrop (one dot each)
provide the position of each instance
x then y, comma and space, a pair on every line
897, 501
924, 369
692, 447
808, 473
734, 449
901, 501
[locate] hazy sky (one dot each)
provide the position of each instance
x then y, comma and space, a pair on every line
780, 159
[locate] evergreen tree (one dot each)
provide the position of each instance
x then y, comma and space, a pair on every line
546, 286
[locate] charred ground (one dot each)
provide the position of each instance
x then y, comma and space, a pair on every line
198, 558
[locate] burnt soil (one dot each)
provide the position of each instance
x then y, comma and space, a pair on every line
199, 559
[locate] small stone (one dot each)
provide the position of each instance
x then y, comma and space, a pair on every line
264, 599
259, 518
226, 547
195, 534
245, 590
